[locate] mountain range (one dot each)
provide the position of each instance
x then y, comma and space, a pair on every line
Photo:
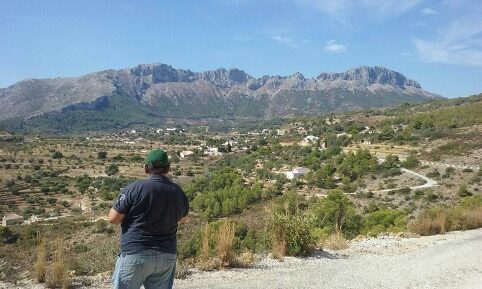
151, 93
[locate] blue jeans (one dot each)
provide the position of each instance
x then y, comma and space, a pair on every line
154, 270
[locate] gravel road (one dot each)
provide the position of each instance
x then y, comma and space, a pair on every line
453, 260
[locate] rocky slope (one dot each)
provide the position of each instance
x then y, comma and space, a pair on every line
164, 91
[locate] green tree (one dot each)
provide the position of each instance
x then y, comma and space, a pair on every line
112, 169
101, 155
411, 162
57, 155
336, 213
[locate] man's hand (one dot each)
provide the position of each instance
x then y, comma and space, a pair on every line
183, 220
115, 217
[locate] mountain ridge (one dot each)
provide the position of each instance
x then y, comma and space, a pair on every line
166, 91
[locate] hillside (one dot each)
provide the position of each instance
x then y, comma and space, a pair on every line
151, 94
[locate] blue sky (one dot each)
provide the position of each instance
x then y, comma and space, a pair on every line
438, 43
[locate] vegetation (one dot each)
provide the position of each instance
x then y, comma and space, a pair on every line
437, 220
347, 191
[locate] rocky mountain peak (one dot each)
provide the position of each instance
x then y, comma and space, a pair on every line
211, 92
367, 75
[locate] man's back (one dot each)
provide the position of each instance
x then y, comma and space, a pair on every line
152, 209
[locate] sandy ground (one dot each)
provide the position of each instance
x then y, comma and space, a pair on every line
452, 261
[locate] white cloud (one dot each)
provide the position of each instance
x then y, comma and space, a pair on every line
333, 47
342, 10
282, 39
285, 37
429, 11
460, 43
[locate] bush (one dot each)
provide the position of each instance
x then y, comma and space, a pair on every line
224, 244
112, 169
411, 162
102, 226
7, 236
467, 215
291, 231
335, 242
464, 192
40, 266
102, 155
337, 213
433, 174
57, 155
58, 274
384, 221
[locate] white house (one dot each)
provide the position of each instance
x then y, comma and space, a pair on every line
343, 133
184, 154
309, 140
212, 151
11, 219
296, 173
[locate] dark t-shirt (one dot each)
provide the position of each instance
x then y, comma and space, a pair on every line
152, 209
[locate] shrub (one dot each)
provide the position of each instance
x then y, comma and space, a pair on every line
335, 242
102, 226
104, 255
7, 236
337, 213
291, 233
58, 276
411, 162
431, 222
40, 266
433, 174
57, 155
463, 191
102, 155
384, 221
205, 243
467, 215
112, 169
224, 244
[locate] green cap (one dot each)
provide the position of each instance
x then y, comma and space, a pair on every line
157, 158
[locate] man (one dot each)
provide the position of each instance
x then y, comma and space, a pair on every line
148, 211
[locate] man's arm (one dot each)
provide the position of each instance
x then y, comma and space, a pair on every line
115, 217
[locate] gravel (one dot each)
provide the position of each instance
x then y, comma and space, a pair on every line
452, 260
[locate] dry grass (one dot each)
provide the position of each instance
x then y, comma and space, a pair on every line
441, 220
205, 243
335, 242
58, 274
278, 248
224, 245
40, 266
467, 218
244, 260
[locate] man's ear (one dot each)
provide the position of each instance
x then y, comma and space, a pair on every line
146, 169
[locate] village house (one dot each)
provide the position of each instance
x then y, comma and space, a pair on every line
309, 140
343, 134
184, 154
11, 219
296, 173
212, 151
